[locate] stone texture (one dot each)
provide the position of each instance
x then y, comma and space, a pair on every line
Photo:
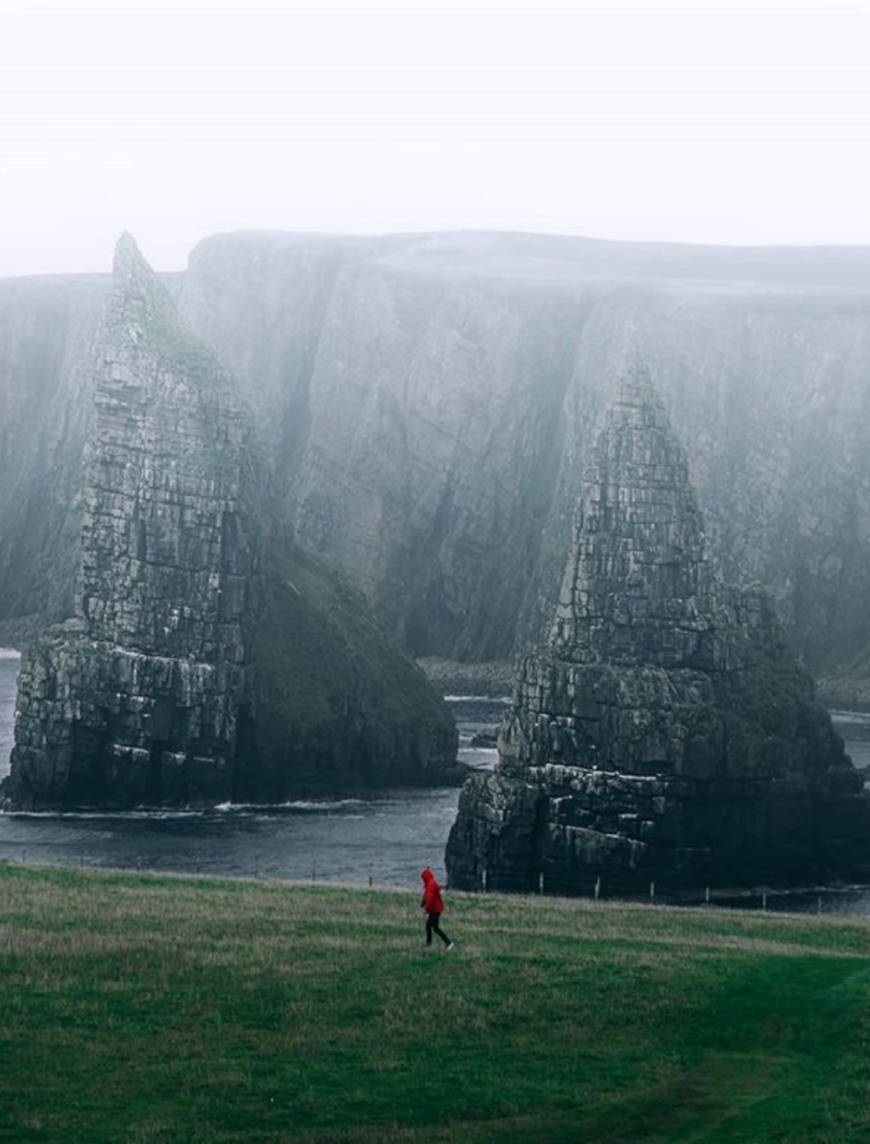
665, 733
428, 403
169, 682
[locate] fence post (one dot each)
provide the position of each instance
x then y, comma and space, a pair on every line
483, 879
707, 896
819, 906
540, 882
764, 902
597, 888
652, 891
370, 881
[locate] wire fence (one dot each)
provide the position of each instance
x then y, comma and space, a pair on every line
616, 886
601, 887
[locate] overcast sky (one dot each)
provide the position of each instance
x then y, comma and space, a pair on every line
744, 121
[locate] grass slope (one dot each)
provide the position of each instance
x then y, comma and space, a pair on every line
144, 1008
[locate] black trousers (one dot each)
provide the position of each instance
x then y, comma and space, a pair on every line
432, 926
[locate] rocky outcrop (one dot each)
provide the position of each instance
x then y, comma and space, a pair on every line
207, 658
665, 733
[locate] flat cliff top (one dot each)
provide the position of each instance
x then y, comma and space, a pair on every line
565, 258
559, 260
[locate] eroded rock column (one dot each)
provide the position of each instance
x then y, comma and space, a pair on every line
665, 733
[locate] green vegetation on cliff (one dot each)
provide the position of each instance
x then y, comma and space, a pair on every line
337, 703
141, 1008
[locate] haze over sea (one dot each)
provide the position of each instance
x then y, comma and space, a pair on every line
386, 837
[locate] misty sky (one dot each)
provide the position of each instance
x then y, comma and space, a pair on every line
733, 122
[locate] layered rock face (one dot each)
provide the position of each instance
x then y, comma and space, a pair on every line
665, 733
138, 698
427, 404
169, 683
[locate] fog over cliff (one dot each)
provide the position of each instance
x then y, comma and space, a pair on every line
428, 402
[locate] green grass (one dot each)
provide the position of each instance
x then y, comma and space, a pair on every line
145, 1008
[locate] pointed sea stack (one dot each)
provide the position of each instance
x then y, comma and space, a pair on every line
665, 733
208, 659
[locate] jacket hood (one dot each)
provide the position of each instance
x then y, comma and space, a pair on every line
427, 875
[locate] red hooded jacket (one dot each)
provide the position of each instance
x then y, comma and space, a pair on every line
433, 903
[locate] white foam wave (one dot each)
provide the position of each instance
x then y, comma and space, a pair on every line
294, 804
503, 699
126, 815
242, 808
156, 814
849, 716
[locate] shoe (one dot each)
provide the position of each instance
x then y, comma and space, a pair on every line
449, 947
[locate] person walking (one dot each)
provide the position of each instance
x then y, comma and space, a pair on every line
433, 904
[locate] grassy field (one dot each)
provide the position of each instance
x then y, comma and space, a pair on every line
146, 1008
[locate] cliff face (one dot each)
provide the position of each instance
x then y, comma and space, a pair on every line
665, 733
169, 682
433, 401
429, 404
412, 420
46, 327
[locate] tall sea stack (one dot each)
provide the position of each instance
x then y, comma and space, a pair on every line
207, 658
665, 733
